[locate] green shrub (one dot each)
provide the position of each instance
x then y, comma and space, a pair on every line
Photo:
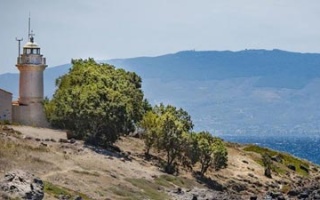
97, 102
56, 190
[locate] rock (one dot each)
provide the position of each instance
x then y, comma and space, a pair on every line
258, 184
43, 144
292, 167
114, 148
274, 186
238, 187
303, 195
293, 193
8, 129
70, 135
72, 141
204, 194
246, 162
277, 158
253, 198
267, 197
64, 197
78, 198
274, 195
267, 172
61, 140
304, 168
179, 191
113, 176
22, 185
281, 198
28, 138
316, 196
135, 135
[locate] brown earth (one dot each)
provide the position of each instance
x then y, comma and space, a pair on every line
95, 173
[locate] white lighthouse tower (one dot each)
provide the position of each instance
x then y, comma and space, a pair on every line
28, 110
31, 65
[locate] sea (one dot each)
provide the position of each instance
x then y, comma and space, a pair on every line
300, 145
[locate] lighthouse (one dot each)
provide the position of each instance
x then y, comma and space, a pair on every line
29, 110
31, 65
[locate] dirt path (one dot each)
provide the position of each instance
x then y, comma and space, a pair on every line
64, 171
41, 133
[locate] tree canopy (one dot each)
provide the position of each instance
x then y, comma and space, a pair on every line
97, 102
165, 128
168, 129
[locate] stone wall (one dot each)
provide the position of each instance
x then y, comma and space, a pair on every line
5, 105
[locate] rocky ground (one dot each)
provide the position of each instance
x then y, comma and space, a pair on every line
70, 169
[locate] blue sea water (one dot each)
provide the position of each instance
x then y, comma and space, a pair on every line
302, 146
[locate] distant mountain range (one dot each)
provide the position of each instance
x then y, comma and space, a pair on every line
250, 91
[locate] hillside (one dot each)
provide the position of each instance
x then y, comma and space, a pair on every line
70, 168
250, 91
275, 69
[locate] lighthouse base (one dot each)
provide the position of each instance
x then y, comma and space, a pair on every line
30, 115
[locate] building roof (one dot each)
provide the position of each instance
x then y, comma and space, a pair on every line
5, 91
31, 45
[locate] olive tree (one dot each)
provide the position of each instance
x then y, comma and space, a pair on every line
97, 102
165, 128
209, 151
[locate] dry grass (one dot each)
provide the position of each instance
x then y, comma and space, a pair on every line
88, 173
14, 153
74, 169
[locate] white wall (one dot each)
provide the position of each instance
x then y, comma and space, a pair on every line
30, 115
5, 105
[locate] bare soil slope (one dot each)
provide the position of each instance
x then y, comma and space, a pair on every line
71, 168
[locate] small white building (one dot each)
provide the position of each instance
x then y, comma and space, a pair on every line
5, 106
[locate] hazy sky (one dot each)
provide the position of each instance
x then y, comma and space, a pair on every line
105, 29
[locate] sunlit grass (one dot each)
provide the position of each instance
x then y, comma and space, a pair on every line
173, 181
286, 158
56, 191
